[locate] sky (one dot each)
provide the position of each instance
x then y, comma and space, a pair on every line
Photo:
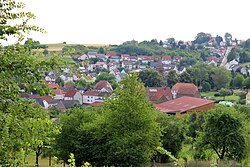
117, 21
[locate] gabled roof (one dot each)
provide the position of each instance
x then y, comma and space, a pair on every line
177, 57
69, 103
102, 84
71, 93
58, 92
166, 58
92, 53
156, 93
111, 54
185, 88
182, 104
50, 85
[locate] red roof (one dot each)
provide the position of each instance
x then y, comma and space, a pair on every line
185, 88
182, 104
132, 57
166, 57
156, 93
41, 97
53, 86
111, 54
58, 92
177, 57
95, 104
91, 93
213, 59
71, 93
125, 55
102, 84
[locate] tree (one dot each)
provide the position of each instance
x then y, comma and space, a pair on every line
246, 83
224, 133
132, 141
221, 77
218, 39
172, 78
101, 50
205, 86
228, 38
151, 78
247, 44
59, 81
185, 77
225, 92
173, 134
81, 84
244, 57
202, 38
232, 55
76, 136
238, 81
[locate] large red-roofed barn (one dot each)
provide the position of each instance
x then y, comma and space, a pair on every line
185, 105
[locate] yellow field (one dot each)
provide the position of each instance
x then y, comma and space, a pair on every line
58, 47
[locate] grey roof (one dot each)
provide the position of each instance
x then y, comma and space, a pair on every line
40, 102
70, 103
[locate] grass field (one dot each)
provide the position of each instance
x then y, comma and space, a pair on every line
211, 96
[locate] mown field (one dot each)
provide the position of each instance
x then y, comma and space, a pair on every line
58, 47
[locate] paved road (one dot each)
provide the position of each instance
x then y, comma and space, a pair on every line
224, 60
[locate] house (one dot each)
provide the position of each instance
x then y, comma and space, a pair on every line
57, 104
185, 105
100, 65
115, 59
70, 103
41, 102
159, 94
92, 54
177, 58
40, 97
133, 58
109, 54
102, 57
213, 60
125, 57
77, 76
248, 98
92, 96
73, 95
104, 86
96, 104
82, 57
185, 89
127, 65
166, 59
181, 69
59, 94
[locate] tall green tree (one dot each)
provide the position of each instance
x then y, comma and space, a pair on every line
221, 77
238, 81
130, 125
224, 133
151, 78
172, 78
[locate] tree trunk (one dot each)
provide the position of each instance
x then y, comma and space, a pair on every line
37, 155
50, 159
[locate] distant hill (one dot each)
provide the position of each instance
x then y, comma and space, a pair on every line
58, 47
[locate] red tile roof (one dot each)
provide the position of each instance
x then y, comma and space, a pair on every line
71, 93
111, 54
166, 57
58, 92
40, 97
185, 88
91, 93
156, 93
53, 86
95, 104
177, 57
125, 55
101, 84
182, 104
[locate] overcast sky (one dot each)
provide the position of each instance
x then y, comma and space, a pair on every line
117, 21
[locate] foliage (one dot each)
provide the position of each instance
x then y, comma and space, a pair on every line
76, 135
185, 77
151, 78
225, 92
205, 86
172, 135
223, 133
238, 80
172, 78
221, 77
130, 128
12, 12
74, 49
59, 81
202, 38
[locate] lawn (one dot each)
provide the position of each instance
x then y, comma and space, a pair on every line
210, 95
